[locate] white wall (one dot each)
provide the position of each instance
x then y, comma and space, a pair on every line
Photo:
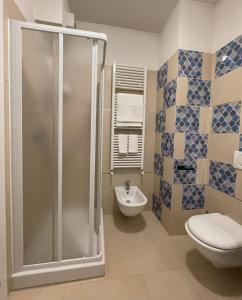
27, 9
190, 27
126, 46
170, 35
227, 22
196, 26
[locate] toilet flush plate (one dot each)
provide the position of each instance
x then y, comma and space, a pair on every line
238, 160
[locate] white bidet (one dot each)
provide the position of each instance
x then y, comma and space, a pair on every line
132, 201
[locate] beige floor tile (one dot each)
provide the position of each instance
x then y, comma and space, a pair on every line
203, 282
13, 296
53, 293
131, 288
212, 283
28, 294
137, 246
145, 225
186, 251
169, 285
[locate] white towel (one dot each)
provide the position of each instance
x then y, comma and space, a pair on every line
130, 110
123, 143
133, 143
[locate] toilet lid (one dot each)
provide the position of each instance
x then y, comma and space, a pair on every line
216, 230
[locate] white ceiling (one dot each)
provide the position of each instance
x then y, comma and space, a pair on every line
146, 15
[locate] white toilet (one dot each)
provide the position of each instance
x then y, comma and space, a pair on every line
218, 238
131, 201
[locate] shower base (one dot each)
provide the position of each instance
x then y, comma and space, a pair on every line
66, 270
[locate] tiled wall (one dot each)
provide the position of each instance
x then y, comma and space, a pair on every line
183, 105
145, 182
198, 126
224, 190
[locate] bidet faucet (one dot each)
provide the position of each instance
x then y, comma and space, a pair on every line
127, 185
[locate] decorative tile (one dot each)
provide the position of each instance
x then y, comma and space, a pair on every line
226, 118
229, 57
166, 193
158, 164
222, 177
162, 76
167, 144
160, 121
196, 145
185, 176
170, 93
240, 142
156, 207
187, 119
199, 92
193, 197
190, 64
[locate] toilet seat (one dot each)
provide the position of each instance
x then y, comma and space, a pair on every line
216, 230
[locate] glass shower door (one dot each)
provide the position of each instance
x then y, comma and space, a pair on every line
56, 146
39, 144
77, 100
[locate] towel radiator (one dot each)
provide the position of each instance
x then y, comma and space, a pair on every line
132, 80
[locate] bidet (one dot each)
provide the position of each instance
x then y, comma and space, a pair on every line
131, 201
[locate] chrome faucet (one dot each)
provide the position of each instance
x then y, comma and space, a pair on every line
127, 186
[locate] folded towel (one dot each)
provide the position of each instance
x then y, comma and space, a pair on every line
127, 124
130, 109
133, 143
122, 143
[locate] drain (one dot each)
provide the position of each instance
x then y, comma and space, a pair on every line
128, 201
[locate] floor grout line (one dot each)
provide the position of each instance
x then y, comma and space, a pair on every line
146, 288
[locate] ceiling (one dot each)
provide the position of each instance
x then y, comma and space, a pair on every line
145, 15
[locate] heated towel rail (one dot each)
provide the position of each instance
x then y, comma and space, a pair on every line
132, 80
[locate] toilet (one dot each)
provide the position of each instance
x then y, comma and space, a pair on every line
218, 238
131, 202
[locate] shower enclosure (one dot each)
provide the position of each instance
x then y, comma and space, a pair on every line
56, 86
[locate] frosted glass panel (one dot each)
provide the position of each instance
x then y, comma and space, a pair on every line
76, 145
40, 119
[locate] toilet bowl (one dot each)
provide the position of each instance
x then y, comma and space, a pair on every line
218, 238
131, 202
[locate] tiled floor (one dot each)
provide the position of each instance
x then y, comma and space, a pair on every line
145, 263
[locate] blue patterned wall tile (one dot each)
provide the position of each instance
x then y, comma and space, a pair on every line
226, 118
162, 76
193, 197
240, 142
222, 177
199, 92
190, 64
185, 176
229, 57
156, 207
158, 164
170, 93
166, 193
196, 145
167, 144
187, 118
160, 121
